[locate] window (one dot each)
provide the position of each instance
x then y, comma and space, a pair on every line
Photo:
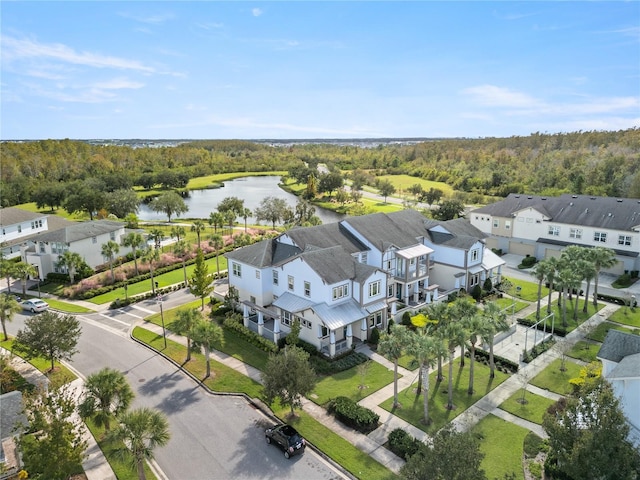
286, 318
389, 263
306, 323
507, 224
258, 274
374, 288
42, 249
529, 220
19, 228
290, 281
307, 289
554, 230
474, 255
252, 299
236, 269
496, 223
600, 237
624, 240
390, 291
324, 331
112, 236
341, 291
94, 239
275, 277
575, 233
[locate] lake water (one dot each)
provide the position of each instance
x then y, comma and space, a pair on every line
250, 189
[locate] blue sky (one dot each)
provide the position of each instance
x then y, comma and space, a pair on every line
253, 70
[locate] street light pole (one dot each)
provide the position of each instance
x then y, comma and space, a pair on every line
164, 332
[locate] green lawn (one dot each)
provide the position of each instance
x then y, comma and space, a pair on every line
117, 455
349, 383
407, 361
557, 311
67, 307
585, 351
502, 444
222, 379
551, 378
601, 330
626, 316
533, 409
360, 464
528, 290
510, 305
403, 182
411, 408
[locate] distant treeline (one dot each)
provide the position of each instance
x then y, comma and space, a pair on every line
596, 163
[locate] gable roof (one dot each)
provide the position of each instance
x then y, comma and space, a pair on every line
326, 235
460, 234
604, 212
11, 413
618, 345
79, 231
14, 215
263, 254
628, 368
335, 265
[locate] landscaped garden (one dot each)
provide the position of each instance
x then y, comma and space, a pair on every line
600, 332
555, 379
532, 408
626, 316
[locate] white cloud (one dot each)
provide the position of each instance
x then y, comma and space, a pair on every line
494, 96
157, 19
256, 12
118, 83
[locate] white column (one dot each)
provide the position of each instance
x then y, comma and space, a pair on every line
260, 322
332, 343
276, 330
363, 329
245, 315
349, 336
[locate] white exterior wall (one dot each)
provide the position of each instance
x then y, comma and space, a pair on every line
22, 229
446, 255
628, 391
374, 255
529, 223
479, 248
444, 276
246, 284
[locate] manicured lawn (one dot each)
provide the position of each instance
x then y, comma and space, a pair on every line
222, 379
408, 362
403, 182
59, 376
411, 408
502, 444
585, 351
349, 382
67, 307
557, 311
360, 464
528, 290
601, 330
508, 305
117, 455
551, 378
532, 410
626, 316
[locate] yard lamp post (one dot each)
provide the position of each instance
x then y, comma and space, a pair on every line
164, 332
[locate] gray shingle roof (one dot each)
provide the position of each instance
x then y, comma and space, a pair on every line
264, 254
629, 367
335, 265
461, 234
79, 231
604, 212
326, 235
14, 215
618, 345
11, 414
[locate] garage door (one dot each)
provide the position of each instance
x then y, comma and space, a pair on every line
617, 269
552, 253
523, 249
491, 243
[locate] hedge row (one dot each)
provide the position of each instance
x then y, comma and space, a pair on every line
537, 350
325, 366
250, 336
123, 302
503, 364
353, 415
558, 329
403, 444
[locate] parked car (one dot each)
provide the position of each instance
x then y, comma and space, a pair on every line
287, 438
35, 305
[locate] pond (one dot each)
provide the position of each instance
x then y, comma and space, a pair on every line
250, 189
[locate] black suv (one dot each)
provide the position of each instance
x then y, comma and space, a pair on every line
287, 438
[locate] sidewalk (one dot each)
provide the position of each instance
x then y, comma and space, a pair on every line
95, 464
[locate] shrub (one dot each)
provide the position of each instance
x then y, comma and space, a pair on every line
353, 415
497, 251
533, 445
476, 292
403, 444
250, 336
406, 319
488, 285
375, 337
508, 365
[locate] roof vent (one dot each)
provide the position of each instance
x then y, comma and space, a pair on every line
619, 200
574, 196
518, 196
543, 198
609, 214
571, 204
592, 198
586, 210
529, 198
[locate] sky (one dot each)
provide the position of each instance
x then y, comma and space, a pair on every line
300, 70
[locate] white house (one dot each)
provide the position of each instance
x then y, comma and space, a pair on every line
344, 279
17, 226
620, 357
542, 226
84, 238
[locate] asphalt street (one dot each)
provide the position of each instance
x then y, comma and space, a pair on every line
212, 436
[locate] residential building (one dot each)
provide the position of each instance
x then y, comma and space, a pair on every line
542, 226
17, 226
84, 238
342, 280
12, 424
620, 357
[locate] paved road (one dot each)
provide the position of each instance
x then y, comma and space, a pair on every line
213, 436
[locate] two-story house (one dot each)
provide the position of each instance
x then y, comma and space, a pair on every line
84, 238
343, 279
17, 226
542, 226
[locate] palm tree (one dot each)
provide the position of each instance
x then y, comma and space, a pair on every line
23, 271
198, 227
178, 231
182, 249
568, 280
552, 274
135, 241
391, 346
217, 243
474, 326
455, 335
216, 219
9, 306
107, 395
157, 236
246, 213
184, 323
589, 273
495, 320
7, 270
601, 257
540, 271
109, 251
142, 430
72, 261
462, 309
425, 348
439, 312
149, 256
230, 219
205, 335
